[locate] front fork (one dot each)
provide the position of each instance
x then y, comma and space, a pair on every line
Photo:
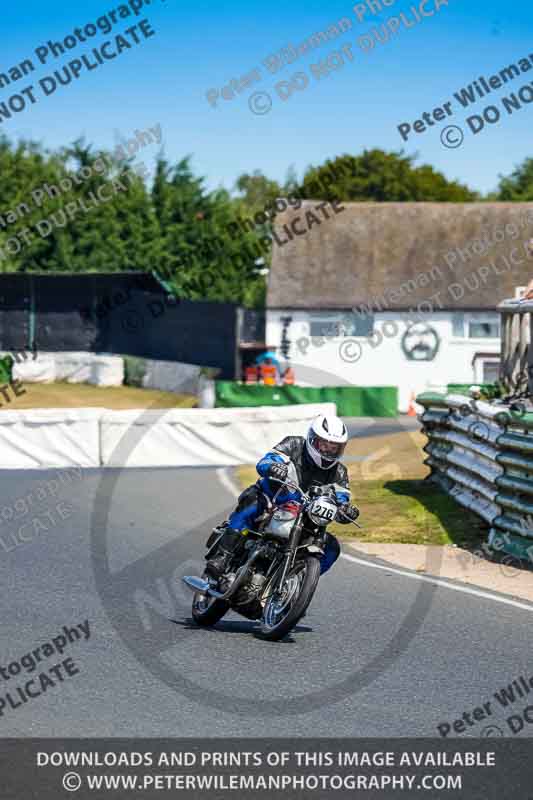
291, 555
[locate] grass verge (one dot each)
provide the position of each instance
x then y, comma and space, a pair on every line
83, 395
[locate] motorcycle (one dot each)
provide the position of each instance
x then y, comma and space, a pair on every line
276, 576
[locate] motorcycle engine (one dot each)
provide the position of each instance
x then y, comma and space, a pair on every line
247, 598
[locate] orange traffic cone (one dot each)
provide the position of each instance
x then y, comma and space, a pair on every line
411, 411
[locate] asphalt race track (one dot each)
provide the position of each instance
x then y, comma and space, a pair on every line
379, 654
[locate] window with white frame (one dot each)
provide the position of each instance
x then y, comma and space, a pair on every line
475, 326
341, 325
486, 367
491, 371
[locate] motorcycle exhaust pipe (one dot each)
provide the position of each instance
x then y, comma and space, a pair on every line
196, 584
239, 580
204, 587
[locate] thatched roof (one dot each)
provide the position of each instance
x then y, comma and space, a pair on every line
394, 255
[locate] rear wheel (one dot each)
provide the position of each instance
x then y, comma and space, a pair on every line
207, 610
289, 603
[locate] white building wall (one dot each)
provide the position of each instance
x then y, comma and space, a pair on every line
379, 360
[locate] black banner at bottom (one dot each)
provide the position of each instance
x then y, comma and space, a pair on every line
49, 769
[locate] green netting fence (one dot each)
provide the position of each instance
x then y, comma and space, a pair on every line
352, 401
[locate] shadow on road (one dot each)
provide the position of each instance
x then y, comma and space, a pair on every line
234, 626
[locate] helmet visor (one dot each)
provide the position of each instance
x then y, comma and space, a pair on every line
328, 450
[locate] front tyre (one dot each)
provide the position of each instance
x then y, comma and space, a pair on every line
207, 610
285, 608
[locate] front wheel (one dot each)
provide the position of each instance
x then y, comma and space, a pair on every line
285, 607
207, 610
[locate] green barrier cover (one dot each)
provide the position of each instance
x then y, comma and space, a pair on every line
352, 401
515, 441
432, 399
6, 369
505, 417
514, 504
514, 545
488, 390
515, 484
512, 530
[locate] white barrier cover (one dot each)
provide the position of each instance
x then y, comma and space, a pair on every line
95, 368
207, 395
50, 437
42, 370
198, 437
171, 376
107, 371
44, 438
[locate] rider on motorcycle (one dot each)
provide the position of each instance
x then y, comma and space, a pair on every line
301, 461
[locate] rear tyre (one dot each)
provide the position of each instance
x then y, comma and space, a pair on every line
206, 610
282, 613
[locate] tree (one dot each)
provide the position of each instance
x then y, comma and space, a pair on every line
206, 251
380, 177
205, 244
257, 192
518, 186
63, 223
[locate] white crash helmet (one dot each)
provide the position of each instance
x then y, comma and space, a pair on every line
326, 440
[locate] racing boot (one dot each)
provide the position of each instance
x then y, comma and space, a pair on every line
231, 544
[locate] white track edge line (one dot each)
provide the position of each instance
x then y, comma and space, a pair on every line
224, 476
440, 582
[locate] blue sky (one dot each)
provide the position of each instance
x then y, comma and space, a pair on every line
203, 45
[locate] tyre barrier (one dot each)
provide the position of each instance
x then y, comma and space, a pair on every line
481, 454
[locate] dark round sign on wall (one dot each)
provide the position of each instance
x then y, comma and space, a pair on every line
420, 342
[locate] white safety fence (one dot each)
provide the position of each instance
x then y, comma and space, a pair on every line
46, 438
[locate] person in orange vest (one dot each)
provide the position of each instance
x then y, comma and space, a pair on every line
268, 367
268, 372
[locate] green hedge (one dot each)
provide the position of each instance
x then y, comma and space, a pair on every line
352, 401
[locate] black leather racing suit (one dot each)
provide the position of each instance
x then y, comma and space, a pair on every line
303, 472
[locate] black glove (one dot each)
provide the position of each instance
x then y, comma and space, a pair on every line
278, 471
347, 514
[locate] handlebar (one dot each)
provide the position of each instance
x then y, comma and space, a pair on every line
305, 496
289, 485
